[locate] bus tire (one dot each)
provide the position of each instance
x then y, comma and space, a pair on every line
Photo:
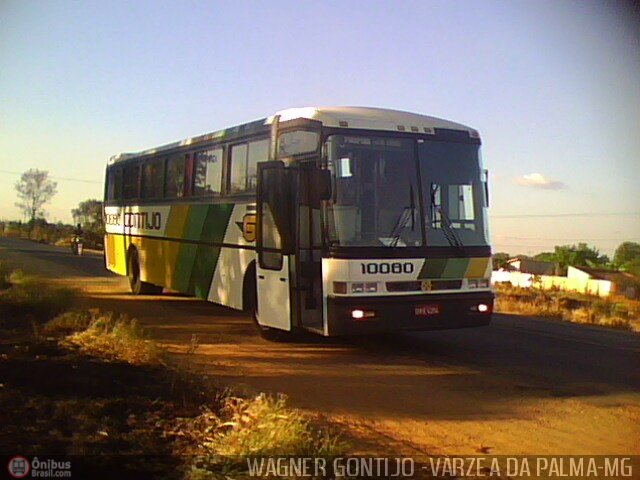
138, 287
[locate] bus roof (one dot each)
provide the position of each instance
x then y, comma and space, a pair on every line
369, 118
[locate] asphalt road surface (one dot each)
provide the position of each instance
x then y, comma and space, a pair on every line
520, 386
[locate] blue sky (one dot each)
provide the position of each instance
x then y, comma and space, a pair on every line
553, 87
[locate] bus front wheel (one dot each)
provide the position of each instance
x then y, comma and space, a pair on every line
138, 287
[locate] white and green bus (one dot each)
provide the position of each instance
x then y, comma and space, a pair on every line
338, 220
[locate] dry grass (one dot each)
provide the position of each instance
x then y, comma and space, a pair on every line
29, 298
108, 335
265, 425
260, 426
5, 271
68, 323
615, 313
217, 428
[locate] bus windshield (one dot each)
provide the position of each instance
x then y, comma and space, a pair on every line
375, 200
375, 191
453, 194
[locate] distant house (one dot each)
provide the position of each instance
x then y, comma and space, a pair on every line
622, 283
534, 267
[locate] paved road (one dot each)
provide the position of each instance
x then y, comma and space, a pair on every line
521, 385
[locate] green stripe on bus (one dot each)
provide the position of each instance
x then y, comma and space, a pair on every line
456, 268
433, 268
216, 222
209, 224
187, 255
206, 259
183, 267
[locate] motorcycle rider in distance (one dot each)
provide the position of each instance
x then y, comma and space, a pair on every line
76, 241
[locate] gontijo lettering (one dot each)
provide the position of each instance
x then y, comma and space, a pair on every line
139, 220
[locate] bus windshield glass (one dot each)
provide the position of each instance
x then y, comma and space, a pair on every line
453, 194
375, 192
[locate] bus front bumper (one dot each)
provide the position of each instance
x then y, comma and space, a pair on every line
367, 315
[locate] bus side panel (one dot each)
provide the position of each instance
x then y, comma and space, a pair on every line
189, 266
202, 250
227, 283
116, 253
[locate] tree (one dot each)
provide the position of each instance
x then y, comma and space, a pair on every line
627, 257
89, 214
580, 255
499, 260
545, 257
34, 190
626, 252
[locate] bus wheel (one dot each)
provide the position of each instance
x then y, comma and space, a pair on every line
138, 287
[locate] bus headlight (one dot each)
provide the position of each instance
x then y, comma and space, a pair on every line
478, 283
370, 287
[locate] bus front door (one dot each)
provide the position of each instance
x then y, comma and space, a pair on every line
308, 249
273, 240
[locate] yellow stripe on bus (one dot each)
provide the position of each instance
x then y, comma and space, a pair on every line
477, 267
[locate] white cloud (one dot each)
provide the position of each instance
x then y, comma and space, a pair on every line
537, 180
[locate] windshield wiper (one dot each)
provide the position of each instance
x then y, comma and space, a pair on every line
403, 220
447, 226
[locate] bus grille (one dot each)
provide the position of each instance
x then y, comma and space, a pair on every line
430, 285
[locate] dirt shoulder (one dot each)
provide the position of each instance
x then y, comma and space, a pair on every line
396, 396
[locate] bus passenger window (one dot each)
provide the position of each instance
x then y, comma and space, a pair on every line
207, 177
258, 152
114, 189
174, 181
238, 168
130, 182
244, 165
152, 179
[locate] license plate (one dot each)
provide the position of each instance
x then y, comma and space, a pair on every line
427, 310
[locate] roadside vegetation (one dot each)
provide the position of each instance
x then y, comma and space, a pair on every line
87, 382
618, 312
88, 214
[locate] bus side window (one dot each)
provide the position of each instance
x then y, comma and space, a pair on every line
114, 189
207, 175
174, 178
152, 179
130, 181
238, 168
244, 165
258, 152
